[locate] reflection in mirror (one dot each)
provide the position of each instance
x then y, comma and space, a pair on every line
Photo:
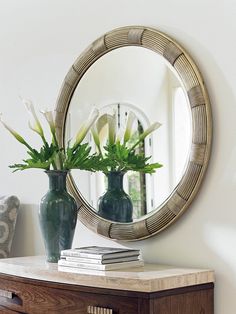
139, 80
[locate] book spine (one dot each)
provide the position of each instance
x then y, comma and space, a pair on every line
99, 261
79, 254
80, 265
83, 260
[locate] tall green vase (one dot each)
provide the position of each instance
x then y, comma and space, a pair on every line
115, 204
57, 216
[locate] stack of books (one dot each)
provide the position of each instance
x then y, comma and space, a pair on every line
99, 258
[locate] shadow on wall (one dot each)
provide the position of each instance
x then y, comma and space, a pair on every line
27, 239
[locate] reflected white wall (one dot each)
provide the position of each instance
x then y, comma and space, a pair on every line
139, 80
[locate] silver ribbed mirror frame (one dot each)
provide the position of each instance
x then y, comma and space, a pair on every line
185, 191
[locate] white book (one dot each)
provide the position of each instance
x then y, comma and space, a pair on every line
99, 252
100, 261
76, 265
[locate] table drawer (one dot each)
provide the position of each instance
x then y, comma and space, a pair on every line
30, 298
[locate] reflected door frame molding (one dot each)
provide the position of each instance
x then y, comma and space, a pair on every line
185, 191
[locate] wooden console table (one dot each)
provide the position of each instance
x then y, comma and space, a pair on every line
30, 285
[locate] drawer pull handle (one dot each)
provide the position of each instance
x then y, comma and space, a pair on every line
98, 310
6, 294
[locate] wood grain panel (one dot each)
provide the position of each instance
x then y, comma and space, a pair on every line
4, 310
37, 299
32, 296
197, 302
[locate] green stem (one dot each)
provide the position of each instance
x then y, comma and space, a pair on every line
100, 151
136, 144
28, 146
75, 147
59, 151
44, 140
54, 165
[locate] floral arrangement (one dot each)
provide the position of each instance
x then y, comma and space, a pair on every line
120, 152
51, 155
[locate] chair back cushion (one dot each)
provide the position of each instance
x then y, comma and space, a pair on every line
9, 206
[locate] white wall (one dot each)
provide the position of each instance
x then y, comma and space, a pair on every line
40, 39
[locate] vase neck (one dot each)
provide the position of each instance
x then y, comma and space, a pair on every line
115, 180
57, 180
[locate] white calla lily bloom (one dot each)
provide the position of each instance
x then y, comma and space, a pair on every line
13, 132
52, 155
149, 130
49, 116
129, 126
35, 125
101, 123
111, 121
120, 135
95, 134
97, 130
86, 126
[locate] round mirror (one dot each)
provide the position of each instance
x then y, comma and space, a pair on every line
135, 79
140, 70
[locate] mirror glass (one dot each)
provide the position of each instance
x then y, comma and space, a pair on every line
139, 80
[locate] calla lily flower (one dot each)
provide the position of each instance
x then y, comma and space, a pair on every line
14, 133
86, 126
95, 134
97, 131
149, 130
111, 120
50, 119
101, 122
120, 135
51, 155
49, 116
129, 125
36, 125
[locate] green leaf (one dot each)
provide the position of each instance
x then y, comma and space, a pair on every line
118, 157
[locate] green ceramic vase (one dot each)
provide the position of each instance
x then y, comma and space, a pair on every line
57, 216
115, 204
